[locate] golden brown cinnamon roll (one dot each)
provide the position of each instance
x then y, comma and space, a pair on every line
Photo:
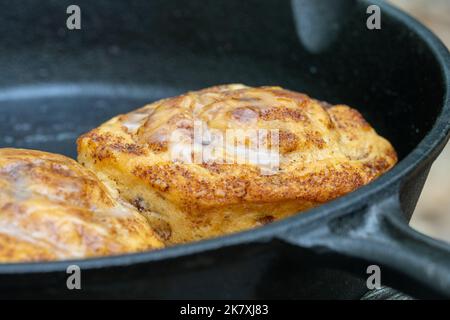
52, 208
232, 157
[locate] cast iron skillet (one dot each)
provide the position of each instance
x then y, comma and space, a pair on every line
56, 84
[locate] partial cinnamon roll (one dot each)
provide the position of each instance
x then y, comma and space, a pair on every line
233, 157
51, 208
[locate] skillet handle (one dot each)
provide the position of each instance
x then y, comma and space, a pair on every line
319, 22
380, 235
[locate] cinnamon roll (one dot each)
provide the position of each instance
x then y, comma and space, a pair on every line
51, 208
233, 157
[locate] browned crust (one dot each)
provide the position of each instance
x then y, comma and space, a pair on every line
327, 151
52, 208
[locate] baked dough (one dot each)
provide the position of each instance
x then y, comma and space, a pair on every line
324, 152
51, 208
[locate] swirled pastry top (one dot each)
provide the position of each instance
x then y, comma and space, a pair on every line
322, 151
52, 208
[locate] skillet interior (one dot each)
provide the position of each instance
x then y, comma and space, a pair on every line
57, 83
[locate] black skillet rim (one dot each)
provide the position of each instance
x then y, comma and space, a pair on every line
422, 154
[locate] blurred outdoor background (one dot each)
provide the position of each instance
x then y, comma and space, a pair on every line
432, 215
